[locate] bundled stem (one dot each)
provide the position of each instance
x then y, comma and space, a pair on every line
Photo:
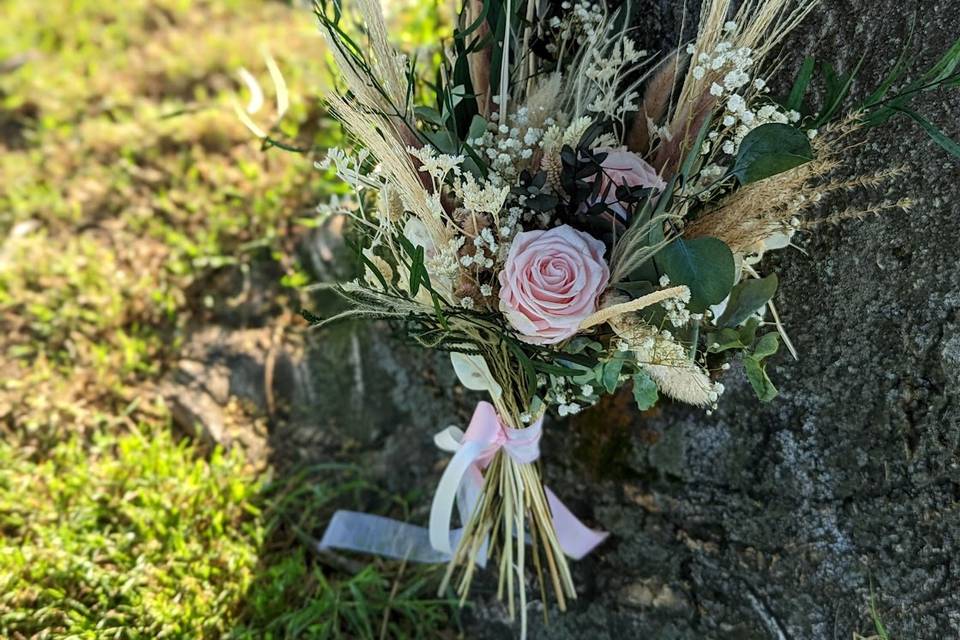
513, 501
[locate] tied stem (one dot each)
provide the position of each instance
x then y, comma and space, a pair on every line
513, 499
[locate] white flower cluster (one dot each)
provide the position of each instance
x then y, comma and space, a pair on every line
606, 70
509, 146
580, 23
443, 264
509, 225
736, 87
437, 165
557, 136
568, 409
569, 398
349, 168
566, 406
667, 362
486, 247
658, 347
745, 120
479, 197
731, 62
676, 308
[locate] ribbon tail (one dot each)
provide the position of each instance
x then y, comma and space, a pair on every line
576, 539
467, 500
441, 509
377, 535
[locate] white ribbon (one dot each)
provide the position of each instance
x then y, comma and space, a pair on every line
461, 483
462, 479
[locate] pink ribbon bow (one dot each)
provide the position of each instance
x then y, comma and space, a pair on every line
462, 480
461, 483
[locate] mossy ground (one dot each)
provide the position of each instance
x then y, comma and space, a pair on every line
126, 184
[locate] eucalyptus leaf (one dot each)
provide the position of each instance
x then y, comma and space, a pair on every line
746, 298
587, 377
724, 340
644, 390
610, 377
705, 265
748, 332
756, 370
768, 345
579, 344
429, 114
759, 380
478, 126
442, 141
771, 149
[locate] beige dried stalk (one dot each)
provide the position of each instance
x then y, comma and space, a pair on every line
656, 101
761, 26
750, 215
479, 61
376, 133
513, 503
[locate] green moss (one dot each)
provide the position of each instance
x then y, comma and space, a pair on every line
132, 536
129, 185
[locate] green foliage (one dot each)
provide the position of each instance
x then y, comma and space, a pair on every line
610, 372
705, 265
883, 103
932, 130
754, 352
746, 298
771, 149
294, 598
645, 392
756, 369
882, 632
128, 186
795, 101
134, 536
295, 594
838, 86
129, 189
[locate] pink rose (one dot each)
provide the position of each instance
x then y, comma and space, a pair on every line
624, 168
551, 281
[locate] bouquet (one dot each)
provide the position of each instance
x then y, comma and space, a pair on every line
566, 213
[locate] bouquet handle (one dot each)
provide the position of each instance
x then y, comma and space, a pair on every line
461, 484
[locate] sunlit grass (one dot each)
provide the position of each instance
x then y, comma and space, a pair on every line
295, 595
129, 536
127, 185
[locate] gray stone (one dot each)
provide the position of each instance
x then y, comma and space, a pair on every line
196, 413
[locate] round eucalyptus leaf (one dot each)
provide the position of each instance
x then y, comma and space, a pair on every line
705, 265
771, 149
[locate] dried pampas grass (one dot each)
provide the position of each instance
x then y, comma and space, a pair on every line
754, 213
761, 25
376, 133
